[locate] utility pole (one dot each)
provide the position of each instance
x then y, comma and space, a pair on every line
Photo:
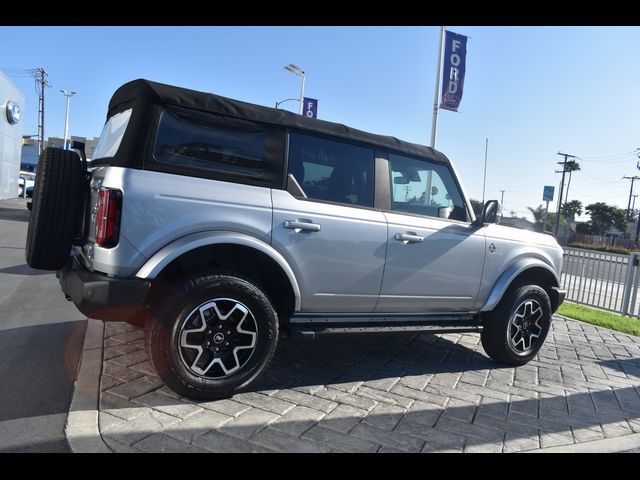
564, 170
501, 198
40, 76
633, 179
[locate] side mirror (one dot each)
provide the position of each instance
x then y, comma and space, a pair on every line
490, 213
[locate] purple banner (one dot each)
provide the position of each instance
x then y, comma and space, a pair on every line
310, 107
455, 56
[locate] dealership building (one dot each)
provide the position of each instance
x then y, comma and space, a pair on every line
11, 105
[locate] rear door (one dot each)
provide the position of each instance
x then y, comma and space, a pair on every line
326, 227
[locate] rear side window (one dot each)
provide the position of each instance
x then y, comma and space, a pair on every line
212, 143
332, 170
112, 134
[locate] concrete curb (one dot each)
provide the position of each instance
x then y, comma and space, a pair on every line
81, 431
606, 445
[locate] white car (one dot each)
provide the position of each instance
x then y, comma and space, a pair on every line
27, 179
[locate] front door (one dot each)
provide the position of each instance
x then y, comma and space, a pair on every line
435, 257
326, 228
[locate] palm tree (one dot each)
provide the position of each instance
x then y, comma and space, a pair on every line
572, 208
538, 213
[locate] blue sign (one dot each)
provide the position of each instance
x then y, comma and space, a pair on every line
310, 107
547, 193
455, 58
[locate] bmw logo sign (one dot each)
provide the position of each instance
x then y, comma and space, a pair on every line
13, 112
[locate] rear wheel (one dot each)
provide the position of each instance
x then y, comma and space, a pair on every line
214, 337
516, 330
56, 208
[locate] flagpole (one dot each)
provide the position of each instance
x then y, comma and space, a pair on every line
436, 95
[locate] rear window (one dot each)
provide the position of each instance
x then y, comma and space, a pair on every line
112, 134
212, 143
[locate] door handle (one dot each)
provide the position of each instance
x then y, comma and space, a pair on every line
301, 225
409, 237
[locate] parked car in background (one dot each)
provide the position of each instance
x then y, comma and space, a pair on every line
26, 181
223, 227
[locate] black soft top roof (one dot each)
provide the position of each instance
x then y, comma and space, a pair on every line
161, 94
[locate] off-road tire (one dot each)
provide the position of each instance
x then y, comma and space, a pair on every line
497, 326
56, 207
166, 321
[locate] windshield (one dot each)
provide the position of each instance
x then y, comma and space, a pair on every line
112, 134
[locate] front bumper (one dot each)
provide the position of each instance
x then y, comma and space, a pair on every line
101, 297
561, 296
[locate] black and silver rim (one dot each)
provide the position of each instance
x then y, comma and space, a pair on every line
217, 338
525, 327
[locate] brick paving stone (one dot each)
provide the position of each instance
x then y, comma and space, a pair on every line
310, 401
136, 387
227, 406
248, 423
555, 439
161, 443
423, 392
166, 405
275, 439
134, 430
516, 443
423, 396
218, 442
386, 397
197, 424
264, 402
297, 421
384, 416
342, 418
340, 442
389, 439
338, 396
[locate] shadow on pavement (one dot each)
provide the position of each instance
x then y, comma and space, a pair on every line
14, 214
23, 269
367, 394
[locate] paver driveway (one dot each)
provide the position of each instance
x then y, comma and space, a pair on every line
407, 393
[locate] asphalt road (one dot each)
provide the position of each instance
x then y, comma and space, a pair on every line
41, 337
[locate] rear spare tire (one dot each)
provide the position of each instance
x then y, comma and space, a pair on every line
55, 214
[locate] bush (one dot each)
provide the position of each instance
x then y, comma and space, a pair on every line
603, 248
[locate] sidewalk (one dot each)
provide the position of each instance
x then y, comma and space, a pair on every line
397, 393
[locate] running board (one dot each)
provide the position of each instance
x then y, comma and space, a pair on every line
313, 329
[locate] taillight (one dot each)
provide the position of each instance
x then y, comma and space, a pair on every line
108, 217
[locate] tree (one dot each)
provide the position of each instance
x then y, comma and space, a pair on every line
604, 216
538, 213
477, 206
571, 209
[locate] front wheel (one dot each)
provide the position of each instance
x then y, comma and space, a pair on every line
516, 330
213, 337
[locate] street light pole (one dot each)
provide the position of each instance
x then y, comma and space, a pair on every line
300, 73
66, 116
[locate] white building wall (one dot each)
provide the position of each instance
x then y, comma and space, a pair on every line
10, 139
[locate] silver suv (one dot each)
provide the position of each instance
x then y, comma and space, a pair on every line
222, 226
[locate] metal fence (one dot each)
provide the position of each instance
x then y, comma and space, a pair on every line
604, 280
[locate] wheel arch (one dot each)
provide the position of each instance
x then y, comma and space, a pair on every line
528, 271
228, 251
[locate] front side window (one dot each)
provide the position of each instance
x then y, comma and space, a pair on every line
332, 170
212, 143
112, 134
425, 188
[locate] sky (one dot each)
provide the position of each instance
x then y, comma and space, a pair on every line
531, 91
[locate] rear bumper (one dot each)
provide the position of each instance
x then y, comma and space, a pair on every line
101, 297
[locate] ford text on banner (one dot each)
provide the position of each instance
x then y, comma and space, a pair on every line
455, 55
310, 108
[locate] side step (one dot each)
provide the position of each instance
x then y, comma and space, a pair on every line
313, 329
